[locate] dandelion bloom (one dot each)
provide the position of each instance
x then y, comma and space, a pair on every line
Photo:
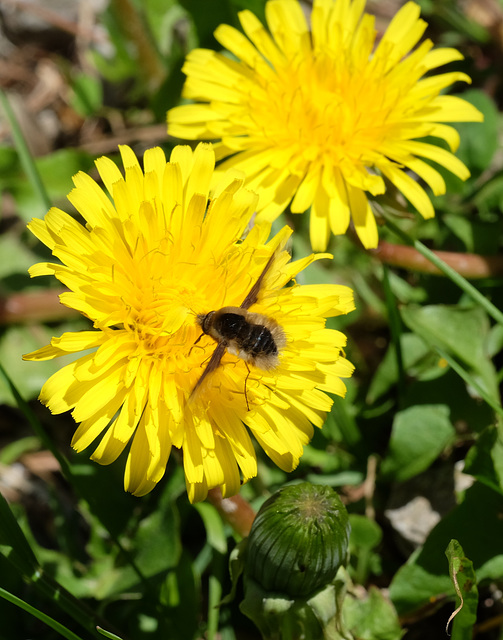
321, 119
150, 259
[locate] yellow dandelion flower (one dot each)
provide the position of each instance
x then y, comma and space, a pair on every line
150, 263
320, 119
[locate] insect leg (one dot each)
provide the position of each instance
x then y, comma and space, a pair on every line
190, 351
246, 394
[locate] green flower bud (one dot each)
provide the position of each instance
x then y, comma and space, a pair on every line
298, 540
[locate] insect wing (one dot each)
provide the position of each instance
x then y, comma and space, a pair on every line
252, 296
216, 356
250, 299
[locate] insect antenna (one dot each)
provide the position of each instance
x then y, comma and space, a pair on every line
252, 296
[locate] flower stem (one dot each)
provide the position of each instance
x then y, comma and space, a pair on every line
25, 156
469, 379
453, 275
135, 29
34, 306
235, 510
469, 265
395, 325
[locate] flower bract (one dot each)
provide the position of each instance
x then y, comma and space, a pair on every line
322, 117
155, 253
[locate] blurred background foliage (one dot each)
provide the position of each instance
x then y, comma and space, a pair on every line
415, 449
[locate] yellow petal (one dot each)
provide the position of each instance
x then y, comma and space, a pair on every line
412, 191
363, 218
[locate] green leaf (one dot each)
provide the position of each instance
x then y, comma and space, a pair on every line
465, 584
113, 507
88, 94
419, 361
462, 228
495, 340
50, 622
13, 543
488, 200
485, 459
107, 634
255, 6
16, 258
214, 526
419, 435
158, 541
207, 17
26, 159
11, 452
163, 18
365, 533
180, 597
28, 377
479, 140
372, 618
477, 236
471, 291
56, 171
451, 391
478, 525
463, 332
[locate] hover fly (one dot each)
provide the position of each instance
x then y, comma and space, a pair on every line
254, 338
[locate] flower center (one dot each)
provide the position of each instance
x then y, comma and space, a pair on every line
327, 110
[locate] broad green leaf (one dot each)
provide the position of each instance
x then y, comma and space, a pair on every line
158, 541
485, 459
419, 361
405, 292
164, 17
450, 390
88, 94
479, 140
342, 479
419, 435
214, 526
372, 618
324, 462
56, 171
478, 526
477, 236
465, 585
461, 332
27, 376
16, 260
495, 340
365, 533
462, 228
487, 200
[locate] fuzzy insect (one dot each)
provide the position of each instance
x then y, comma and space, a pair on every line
255, 338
